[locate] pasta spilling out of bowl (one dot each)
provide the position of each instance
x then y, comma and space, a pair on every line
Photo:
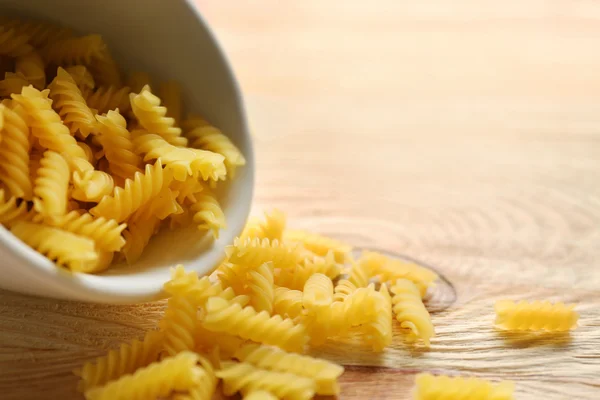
92, 165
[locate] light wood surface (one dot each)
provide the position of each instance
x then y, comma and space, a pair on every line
465, 134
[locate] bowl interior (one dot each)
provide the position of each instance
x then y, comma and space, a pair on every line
169, 40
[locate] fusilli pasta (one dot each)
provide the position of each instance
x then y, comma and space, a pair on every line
208, 214
14, 152
260, 285
32, 67
118, 145
429, 387
410, 311
535, 316
51, 185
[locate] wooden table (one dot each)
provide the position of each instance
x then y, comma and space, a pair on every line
465, 134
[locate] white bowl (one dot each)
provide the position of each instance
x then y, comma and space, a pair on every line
169, 40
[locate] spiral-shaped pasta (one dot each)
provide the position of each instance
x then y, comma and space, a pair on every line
208, 214
287, 302
184, 162
222, 316
83, 78
254, 252
51, 185
106, 233
12, 83
137, 80
10, 211
66, 249
38, 33
152, 116
187, 189
188, 284
92, 185
105, 69
359, 306
13, 44
137, 236
318, 293
78, 50
136, 193
118, 145
107, 98
205, 389
118, 362
158, 379
207, 137
271, 358
232, 276
207, 340
320, 245
429, 387
260, 286
170, 94
260, 395
246, 378
70, 104
378, 331
14, 152
343, 289
359, 275
32, 67
410, 311
179, 325
535, 316
323, 265
390, 270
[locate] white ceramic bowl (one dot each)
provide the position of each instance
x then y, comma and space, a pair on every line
169, 40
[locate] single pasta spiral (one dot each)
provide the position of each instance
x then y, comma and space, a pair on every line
137, 236
105, 69
179, 325
188, 284
410, 311
232, 276
158, 379
254, 252
359, 275
32, 67
320, 245
318, 293
124, 360
64, 248
78, 50
10, 211
207, 341
343, 289
260, 285
106, 233
118, 145
14, 152
38, 33
378, 331
83, 78
324, 265
152, 116
184, 162
12, 83
70, 104
429, 387
206, 386
51, 185
287, 302
108, 98
12, 43
207, 137
535, 316
244, 377
222, 316
136, 192
92, 185
271, 358
359, 306
208, 214
188, 189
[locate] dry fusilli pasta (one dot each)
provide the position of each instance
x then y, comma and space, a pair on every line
535, 316
51, 185
320, 245
287, 302
14, 152
107, 98
118, 145
77, 50
32, 67
254, 252
429, 387
410, 311
208, 214
260, 286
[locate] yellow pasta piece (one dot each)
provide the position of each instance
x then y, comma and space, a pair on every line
11, 210
179, 324
105, 69
324, 265
260, 395
429, 387
410, 311
222, 316
107, 98
378, 331
89, 153
137, 80
152, 117
158, 379
12, 83
188, 284
261, 290
92, 185
320, 245
170, 94
287, 302
118, 145
360, 306
188, 189
38, 33
118, 362
83, 78
208, 214
13, 44
82, 50
137, 236
64, 248
246, 378
137, 192
232, 276
207, 137
206, 386
32, 67
184, 162
70, 104
51, 185
207, 340
254, 252
14, 152
535, 316
106, 233
318, 293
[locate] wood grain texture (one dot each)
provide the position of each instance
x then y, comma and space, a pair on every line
465, 134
